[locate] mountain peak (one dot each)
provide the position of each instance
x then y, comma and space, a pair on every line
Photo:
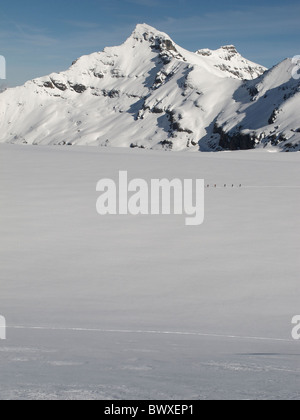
230, 48
146, 32
144, 27
228, 59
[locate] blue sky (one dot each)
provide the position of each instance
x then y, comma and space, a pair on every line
39, 37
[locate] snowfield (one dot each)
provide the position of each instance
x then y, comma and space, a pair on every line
126, 307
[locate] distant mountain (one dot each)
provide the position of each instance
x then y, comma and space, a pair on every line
231, 62
151, 93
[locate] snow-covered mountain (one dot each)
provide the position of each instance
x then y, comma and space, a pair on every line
230, 61
151, 93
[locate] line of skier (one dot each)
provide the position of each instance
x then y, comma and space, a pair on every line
225, 186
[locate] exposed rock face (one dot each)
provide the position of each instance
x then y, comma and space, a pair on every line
151, 93
235, 141
77, 87
57, 84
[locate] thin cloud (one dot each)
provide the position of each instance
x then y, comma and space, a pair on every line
81, 24
255, 32
238, 22
148, 3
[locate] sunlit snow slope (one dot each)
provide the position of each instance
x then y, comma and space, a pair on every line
151, 93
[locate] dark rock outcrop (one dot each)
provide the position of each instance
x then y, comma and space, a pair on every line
235, 141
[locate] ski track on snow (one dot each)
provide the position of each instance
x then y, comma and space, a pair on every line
104, 331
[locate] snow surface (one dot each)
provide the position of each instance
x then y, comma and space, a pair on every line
151, 93
145, 307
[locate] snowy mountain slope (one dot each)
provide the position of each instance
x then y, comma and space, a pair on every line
151, 93
271, 117
230, 61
